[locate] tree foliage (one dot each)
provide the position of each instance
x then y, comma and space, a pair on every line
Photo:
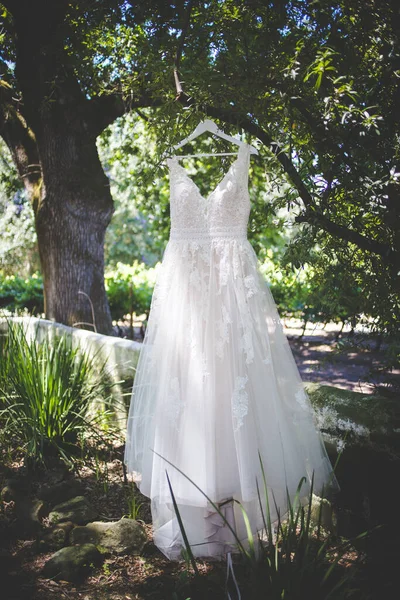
140, 223
18, 245
315, 84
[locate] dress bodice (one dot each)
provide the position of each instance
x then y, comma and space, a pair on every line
223, 213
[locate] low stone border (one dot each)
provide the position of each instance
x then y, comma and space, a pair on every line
121, 354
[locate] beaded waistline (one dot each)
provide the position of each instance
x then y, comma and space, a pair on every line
214, 233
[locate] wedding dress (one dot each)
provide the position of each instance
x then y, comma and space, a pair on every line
216, 385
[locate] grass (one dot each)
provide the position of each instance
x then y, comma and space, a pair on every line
133, 504
48, 394
295, 558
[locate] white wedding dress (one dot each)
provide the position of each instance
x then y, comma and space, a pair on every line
216, 383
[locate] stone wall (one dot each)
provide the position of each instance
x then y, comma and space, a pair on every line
121, 355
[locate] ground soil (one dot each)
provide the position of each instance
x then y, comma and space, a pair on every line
150, 576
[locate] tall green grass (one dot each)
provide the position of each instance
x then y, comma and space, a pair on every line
293, 558
47, 393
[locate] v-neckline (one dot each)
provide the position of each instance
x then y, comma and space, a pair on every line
219, 184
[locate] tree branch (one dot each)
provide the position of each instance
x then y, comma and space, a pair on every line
21, 142
350, 235
104, 109
265, 137
6, 75
322, 137
179, 50
312, 215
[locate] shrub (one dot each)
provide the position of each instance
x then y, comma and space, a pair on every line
130, 288
289, 288
297, 558
47, 394
18, 293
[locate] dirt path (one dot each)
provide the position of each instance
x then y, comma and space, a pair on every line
319, 362
317, 357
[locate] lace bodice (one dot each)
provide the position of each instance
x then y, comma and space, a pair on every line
223, 213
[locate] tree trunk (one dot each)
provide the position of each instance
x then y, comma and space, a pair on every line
73, 204
71, 243
72, 216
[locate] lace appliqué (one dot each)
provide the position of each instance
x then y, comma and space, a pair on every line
223, 332
236, 262
195, 279
224, 265
159, 294
240, 402
246, 335
173, 404
251, 286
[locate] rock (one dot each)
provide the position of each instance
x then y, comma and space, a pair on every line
322, 511
125, 536
57, 537
30, 512
57, 474
60, 492
14, 488
72, 563
359, 414
78, 510
9, 571
7, 493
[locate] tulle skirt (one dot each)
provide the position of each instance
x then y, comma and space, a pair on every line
217, 392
